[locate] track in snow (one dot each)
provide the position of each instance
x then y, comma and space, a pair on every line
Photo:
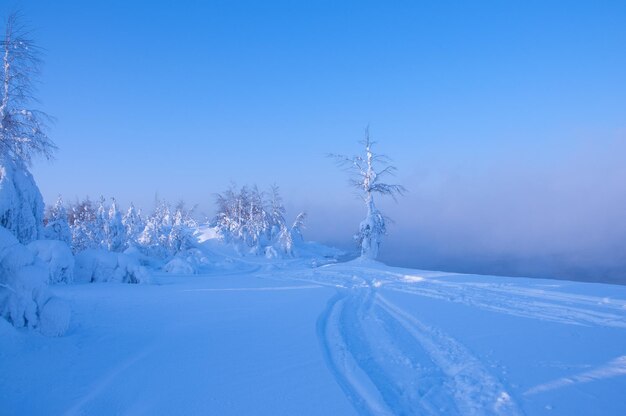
506, 298
545, 305
387, 362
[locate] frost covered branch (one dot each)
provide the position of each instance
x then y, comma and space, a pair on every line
22, 128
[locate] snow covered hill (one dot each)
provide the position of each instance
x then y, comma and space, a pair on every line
340, 339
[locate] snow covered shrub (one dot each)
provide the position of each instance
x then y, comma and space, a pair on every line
24, 297
21, 204
98, 265
251, 219
58, 258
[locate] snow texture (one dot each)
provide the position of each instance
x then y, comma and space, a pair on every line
281, 337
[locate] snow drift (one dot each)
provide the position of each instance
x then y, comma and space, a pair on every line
24, 297
58, 258
97, 265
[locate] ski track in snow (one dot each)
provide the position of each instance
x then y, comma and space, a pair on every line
546, 305
507, 298
254, 289
106, 381
388, 362
614, 368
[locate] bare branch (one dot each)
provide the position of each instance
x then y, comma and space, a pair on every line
22, 128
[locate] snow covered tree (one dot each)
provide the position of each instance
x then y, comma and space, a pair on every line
181, 236
57, 226
100, 224
155, 236
24, 299
115, 233
366, 172
134, 224
82, 218
253, 220
22, 134
276, 213
298, 226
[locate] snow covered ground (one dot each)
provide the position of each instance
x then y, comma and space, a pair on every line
340, 339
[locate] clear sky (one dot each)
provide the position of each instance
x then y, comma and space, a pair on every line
506, 120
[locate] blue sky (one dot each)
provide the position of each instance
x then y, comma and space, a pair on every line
506, 120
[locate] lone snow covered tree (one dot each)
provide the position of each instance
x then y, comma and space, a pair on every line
366, 172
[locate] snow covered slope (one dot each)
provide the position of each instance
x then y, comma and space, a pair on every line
341, 339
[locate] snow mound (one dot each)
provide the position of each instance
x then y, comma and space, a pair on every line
318, 254
179, 265
58, 258
96, 265
24, 297
190, 261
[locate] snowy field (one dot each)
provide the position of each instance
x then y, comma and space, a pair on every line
341, 339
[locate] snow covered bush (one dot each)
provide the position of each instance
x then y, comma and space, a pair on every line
58, 258
99, 265
254, 221
24, 297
